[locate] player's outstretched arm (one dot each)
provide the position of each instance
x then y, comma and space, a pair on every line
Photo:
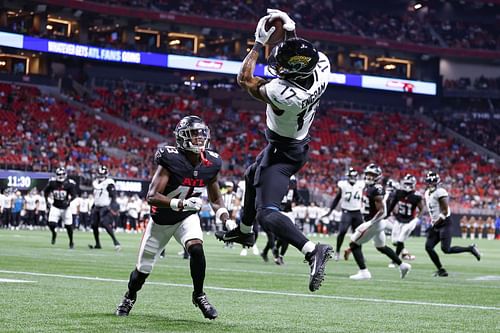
334, 203
215, 198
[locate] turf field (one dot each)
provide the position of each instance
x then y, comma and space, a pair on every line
77, 290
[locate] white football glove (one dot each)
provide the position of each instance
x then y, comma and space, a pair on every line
288, 23
192, 204
261, 35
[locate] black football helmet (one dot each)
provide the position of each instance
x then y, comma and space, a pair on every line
61, 174
391, 185
432, 179
352, 175
294, 58
409, 183
192, 134
102, 172
373, 173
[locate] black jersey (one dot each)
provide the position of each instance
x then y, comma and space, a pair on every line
185, 180
369, 194
407, 205
62, 192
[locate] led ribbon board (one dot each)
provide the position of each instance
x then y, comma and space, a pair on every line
201, 64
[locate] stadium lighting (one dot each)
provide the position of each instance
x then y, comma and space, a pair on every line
417, 6
49, 27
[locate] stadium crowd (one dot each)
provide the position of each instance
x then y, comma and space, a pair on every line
59, 133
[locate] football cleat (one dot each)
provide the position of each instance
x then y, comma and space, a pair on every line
404, 268
317, 262
255, 250
279, 261
408, 256
206, 308
125, 306
363, 274
244, 252
71, 246
336, 256
94, 246
441, 272
475, 252
264, 257
236, 236
118, 247
392, 265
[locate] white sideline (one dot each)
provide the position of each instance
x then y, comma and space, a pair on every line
266, 292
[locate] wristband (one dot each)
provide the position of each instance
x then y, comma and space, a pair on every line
221, 211
174, 204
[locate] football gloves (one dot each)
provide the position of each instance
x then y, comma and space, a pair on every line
261, 35
192, 204
288, 23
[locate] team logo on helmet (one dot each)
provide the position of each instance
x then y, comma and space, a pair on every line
298, 62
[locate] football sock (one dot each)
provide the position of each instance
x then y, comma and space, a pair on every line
340, 240
135, 283
111, 234
197, 265
69, 230
390, 253
456, 249
399, 248
358, 255
282, 227
282, 246
52, 227
95, 230
308, 248
429, 247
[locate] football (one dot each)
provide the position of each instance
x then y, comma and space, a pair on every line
279, 34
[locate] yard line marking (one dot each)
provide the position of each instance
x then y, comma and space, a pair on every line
266, 292
15, 281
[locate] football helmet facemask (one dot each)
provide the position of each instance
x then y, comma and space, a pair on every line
61, 174
294, 58
192, 134
102, 172
432, 179
409, 183
352, 175
373, 173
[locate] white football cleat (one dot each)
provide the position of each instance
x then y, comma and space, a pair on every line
336, 256
255, 250
404, 268
243, 252
392, 265
363, 274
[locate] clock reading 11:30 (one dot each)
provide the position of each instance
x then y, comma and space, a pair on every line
19, 181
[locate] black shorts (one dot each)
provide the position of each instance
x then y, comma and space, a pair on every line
443, 233
273, 168
101, 216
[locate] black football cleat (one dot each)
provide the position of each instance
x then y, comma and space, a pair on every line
475, 252
94, 246
264, 256
317, 261
125, 306
71, 246
236, 236
279, 261
206, 308
441, 272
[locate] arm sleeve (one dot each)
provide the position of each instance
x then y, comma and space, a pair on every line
336, 200
112, 191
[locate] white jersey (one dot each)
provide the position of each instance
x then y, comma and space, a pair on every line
85, 204
2, 198
432, 201
300, 212
122, 202
30, 202
352, 195
133, 208
7, 201
313, 212
42, 204
298, 105
101, 194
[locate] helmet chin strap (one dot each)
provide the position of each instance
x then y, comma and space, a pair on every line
204, 159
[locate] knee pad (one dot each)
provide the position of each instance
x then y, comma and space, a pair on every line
196, 250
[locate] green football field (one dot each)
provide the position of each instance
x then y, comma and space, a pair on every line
45, 288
